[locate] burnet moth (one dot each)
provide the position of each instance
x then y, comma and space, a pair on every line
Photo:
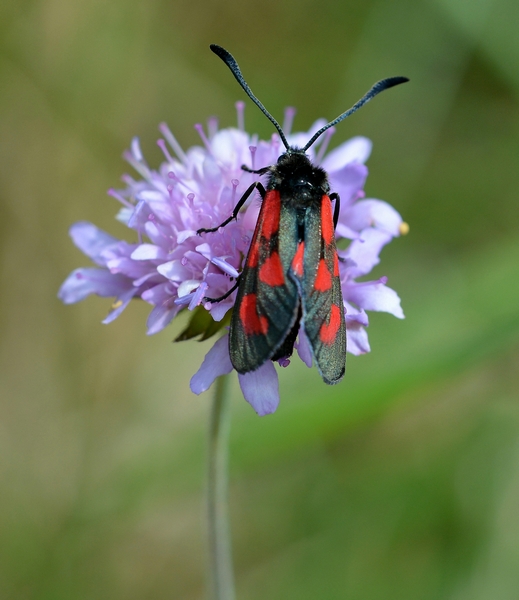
291, 273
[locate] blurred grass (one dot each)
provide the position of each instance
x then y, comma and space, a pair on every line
403, 481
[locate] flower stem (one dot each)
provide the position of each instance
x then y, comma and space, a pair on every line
220, 556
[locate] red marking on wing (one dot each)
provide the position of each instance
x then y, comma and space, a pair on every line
270, 211
327, 220
252, 258
328, 332
268, 223
252, 323
323, 279
335, 265
297, 261
271, 271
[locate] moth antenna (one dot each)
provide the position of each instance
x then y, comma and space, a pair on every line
380, 86
230, 61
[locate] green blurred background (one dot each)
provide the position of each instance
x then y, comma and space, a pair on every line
400, 483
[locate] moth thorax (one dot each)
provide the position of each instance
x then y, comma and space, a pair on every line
295, 174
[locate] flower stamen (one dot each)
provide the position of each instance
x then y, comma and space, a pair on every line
290, 112
252, 150
235, 184
141, 168
201, 133
212, 126
176, 179
198, 296
121, 199
136, 150
222, 264
172, 141
240, 112
162, 145
274, 142
324, 145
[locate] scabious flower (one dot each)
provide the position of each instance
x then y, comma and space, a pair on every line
172, 268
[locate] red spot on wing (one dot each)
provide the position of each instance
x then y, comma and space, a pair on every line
297, 261
328, 331
252, 323
323, 279
271, 271
335, 264
252, 258
267, 225
270, 211
327, 220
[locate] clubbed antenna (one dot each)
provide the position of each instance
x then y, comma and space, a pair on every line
380, 86
229, 60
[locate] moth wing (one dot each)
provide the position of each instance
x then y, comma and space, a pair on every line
323, 307
267, 303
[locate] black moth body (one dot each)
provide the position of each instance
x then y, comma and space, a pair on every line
291, 273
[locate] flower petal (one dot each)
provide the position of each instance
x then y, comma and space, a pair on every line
356, 150
91, 240
225, 266
365, 250
160, 317
356, 314
198, 296
118, 260
216, 362
174, 270
303, 348
187, 287
185, 235
219, 309
373, 213
155, 201
357, 339
230, 147
299, 140
140, 216
348, 183
261, 388
158, 294
374, 295
83, 282
343, 231
124, 215
117, 308
148, 252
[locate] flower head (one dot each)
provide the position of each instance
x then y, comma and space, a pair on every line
172, 268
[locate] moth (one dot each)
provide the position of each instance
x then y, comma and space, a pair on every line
291, 273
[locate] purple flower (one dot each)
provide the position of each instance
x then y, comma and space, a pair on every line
172, 268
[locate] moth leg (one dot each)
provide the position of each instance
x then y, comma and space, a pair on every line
337, 208
226, 295
257, 171
236, 210
336, 211
261, 190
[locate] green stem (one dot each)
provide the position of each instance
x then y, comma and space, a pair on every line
220, 556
